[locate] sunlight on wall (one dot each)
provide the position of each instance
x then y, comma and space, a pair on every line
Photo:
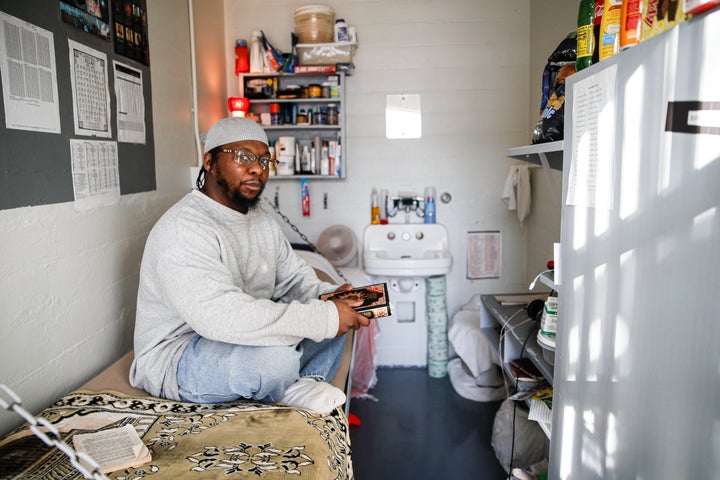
703, 224
707, 150
567, 442
579, 232
592, 453
631, 151
595, 333
573, 343
611, 442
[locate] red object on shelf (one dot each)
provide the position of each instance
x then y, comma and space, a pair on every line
242, 57
238, 106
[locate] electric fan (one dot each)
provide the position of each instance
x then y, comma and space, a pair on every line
338, 244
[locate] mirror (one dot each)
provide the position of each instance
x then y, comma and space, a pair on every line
403, 118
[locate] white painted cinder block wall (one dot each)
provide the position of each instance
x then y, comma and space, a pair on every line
478, 67
68, 279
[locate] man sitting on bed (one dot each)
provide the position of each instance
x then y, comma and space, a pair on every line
225, 309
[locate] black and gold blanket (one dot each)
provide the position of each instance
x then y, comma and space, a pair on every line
189, 440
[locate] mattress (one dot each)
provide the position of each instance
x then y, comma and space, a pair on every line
243, 439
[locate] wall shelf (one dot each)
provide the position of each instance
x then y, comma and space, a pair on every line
552, 151
519, 339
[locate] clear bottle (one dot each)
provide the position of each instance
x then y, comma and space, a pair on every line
305, 160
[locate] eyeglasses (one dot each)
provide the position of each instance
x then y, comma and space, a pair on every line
246, 158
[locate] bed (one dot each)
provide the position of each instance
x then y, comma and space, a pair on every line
243, 439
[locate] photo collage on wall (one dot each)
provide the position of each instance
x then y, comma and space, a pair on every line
129, 20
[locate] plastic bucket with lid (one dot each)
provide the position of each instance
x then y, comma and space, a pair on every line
315, 24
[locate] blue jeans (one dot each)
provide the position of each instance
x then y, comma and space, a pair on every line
215, 372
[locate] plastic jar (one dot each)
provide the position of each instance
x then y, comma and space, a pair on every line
314, 91
314, 24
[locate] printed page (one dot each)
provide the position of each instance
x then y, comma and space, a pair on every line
590, 180
113, 449
29, 76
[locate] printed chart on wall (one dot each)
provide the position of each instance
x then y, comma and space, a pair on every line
96, 178
90, 91
130, 103
29, 76
484, 254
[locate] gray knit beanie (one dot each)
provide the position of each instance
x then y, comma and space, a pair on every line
234, 129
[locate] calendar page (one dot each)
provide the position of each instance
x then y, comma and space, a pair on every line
90, 91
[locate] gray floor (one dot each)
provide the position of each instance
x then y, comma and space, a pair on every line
420, 428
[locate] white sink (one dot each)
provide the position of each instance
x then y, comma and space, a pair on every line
406, 250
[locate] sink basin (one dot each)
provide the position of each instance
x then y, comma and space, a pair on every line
406, 250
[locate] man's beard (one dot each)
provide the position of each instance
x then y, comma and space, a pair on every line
237, 198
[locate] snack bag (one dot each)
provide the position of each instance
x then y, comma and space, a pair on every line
660, 15
550, 127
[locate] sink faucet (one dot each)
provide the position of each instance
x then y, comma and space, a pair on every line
406, 203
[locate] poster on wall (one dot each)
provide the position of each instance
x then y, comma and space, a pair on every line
92, 16
131, 29
90, 91
484, 254
29, 76
130, 103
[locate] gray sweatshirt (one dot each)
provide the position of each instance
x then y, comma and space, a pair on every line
212, 271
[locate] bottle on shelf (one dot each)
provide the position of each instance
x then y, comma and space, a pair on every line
610, 29
596, 30
257, 64
242, 59
585, 34
341, 30
324, 159
305, 160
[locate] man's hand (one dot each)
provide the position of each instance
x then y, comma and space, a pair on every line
349, 318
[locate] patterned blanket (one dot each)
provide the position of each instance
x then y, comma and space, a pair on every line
189, 440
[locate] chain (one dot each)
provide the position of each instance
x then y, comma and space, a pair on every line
51, 437
302, 235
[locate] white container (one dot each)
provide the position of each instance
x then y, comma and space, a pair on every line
285, 146
286, 165
341, 30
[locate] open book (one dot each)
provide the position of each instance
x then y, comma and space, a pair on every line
376, 302
113, 449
